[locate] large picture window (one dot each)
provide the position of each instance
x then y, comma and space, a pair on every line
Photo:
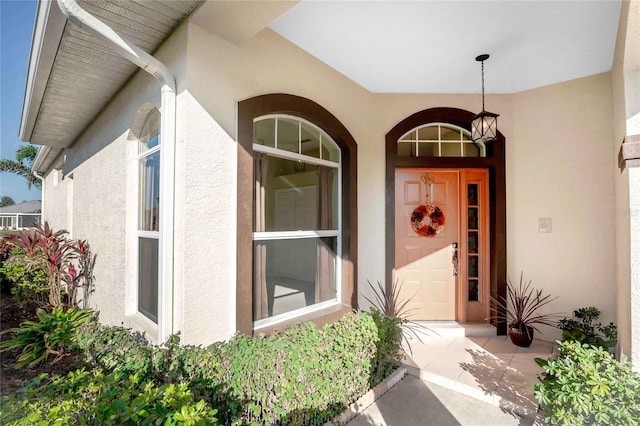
149, 215
297, 225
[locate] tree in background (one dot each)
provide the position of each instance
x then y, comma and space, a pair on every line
6, 201
25, 155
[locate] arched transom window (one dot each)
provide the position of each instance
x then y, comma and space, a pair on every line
439, 140
297, 225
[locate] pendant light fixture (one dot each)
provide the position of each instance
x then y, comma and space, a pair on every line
484, 126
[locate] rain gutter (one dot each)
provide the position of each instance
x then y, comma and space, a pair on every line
128, 50
42, 186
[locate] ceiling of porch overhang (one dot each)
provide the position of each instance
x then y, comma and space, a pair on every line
430, 46
87, 67
385, 46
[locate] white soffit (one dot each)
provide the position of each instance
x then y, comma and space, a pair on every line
430, 46
72, 75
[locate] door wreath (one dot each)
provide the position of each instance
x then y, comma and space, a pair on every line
427, 220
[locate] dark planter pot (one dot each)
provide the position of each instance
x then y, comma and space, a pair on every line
521, 336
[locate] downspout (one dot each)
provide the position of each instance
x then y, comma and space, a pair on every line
41, 179
133, 53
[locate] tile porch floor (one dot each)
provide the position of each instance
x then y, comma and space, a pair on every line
490, 370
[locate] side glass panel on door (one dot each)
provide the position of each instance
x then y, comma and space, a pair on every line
474, 227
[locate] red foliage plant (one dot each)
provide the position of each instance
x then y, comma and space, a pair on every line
69, 262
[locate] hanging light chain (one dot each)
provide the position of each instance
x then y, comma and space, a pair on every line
482, 68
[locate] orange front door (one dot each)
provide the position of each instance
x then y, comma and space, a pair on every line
423, 264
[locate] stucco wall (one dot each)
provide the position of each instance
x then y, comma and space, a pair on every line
562, 168
101, 205
559, 158
559, 165
55, 211
621, 210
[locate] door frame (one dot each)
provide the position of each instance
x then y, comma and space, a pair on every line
494, 163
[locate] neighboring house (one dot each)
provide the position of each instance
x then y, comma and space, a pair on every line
21, 215
282, 186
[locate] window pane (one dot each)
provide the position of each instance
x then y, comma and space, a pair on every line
310, 140
296, 196
471, 150
473, 267
148, 277
292, 274
473, 241
428, 149
472, 194
448, 134
451, 149
406, 149
150, 135
149, 192
329, 150
264, 132
428, 133
472, 221
288, 134
409, 137
473, 291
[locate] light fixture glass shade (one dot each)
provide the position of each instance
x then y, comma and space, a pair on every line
484, 127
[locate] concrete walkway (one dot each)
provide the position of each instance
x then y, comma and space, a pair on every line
463, 380
415, 402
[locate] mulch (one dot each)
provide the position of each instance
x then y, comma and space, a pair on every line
11, 316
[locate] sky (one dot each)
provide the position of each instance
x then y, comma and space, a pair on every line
16, 28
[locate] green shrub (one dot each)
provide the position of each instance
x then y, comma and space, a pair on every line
28, 280
586, 385
388, 346
300, 376
52, 334
584, 328
115, 349
92, 398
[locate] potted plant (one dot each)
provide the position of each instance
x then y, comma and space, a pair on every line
521, 311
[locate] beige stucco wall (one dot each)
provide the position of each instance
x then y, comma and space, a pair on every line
99, 203
559, 165
621, 210
55, 206
559, 157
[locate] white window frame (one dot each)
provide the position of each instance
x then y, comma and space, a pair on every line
143, 233
287, 235
463, 132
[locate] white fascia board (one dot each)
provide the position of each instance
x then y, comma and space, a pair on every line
38, 162
47, 33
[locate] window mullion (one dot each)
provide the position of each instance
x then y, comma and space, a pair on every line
291, 235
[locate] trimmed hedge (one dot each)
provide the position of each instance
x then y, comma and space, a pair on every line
303, 375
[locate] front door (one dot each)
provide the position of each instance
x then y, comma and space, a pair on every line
442, 259
423, 264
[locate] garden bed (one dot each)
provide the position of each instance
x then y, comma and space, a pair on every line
11, 316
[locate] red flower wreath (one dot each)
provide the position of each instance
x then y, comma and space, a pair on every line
427, 221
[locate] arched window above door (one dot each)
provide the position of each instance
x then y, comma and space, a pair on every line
439, 140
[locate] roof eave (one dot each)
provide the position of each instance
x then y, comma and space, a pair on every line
47, 33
